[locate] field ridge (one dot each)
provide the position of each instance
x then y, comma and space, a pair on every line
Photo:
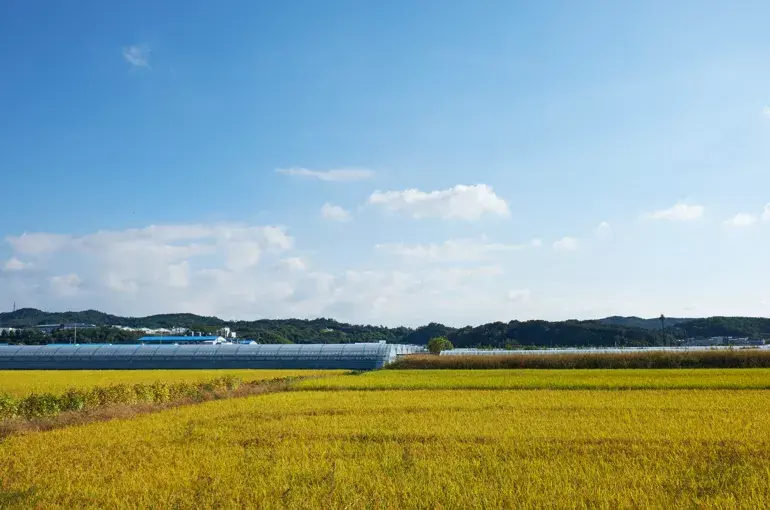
43, 412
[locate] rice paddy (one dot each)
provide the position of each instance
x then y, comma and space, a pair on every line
529, 379
709, 358
421, 439
19, 383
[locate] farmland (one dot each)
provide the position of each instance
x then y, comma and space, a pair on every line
23, 382
704, 378
421, 439
708, 358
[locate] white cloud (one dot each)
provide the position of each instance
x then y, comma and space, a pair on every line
678, 212
337, 175
333, 212
138, 55
14, 264
741, 220
157, 264
566, 244
766, 213
179, 275
453, 250
519, 295
460, 202
116, 283
275, 237
603, 231
206, 269
766, 111
408, 297
293, 264
38, 243
242, 255
65, 285
246, 271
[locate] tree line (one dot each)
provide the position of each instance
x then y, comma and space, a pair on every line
535, 333
98, 335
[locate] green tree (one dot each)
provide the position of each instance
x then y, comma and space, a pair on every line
438, 344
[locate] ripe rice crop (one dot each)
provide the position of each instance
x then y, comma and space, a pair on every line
531, 379
40, 405
20, 383
406, 449
717, 358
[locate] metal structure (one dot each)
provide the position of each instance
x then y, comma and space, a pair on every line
124, 357
174, 339
404, 349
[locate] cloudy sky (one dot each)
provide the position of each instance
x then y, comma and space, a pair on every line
386, 162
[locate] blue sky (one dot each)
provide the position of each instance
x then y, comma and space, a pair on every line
390, 162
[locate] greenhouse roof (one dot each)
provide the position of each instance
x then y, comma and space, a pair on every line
351, 356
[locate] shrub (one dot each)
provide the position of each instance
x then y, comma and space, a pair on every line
230, 382
39, 405
438, 344
95, 397
161, 393
144, 393
120, 394
9, 407
182, 390
74, 400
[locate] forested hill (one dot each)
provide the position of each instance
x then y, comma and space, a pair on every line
602, 332
26, 317
638, 322
264, 330
724, 326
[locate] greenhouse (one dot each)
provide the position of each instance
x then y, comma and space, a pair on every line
121, 357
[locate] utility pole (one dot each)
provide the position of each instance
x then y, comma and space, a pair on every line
663, 327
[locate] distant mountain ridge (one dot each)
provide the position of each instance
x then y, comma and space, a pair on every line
638, 322
27, 317
600, 332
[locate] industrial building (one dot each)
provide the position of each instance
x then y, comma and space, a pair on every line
183, 340
154, 331
274, 356
50, 328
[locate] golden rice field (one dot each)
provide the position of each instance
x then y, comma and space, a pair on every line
20, 383
416, 448
615, 379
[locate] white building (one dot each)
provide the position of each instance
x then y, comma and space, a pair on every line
226, 332
155, 331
